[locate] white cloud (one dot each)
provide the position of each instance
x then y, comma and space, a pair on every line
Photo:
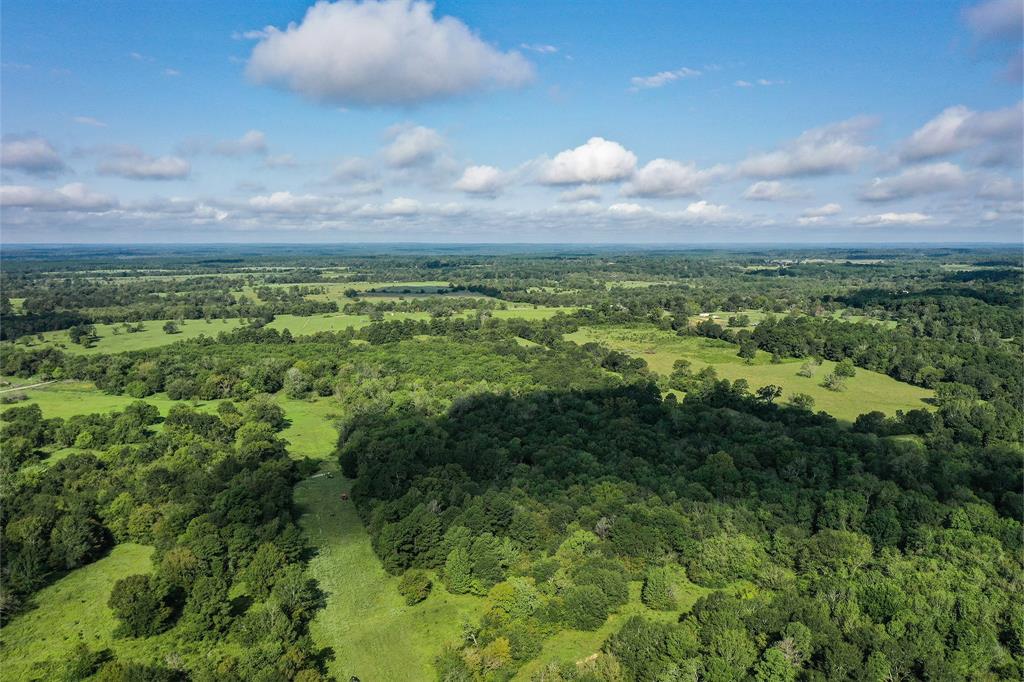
412, 146
30, 154
581, 193
912, 218
819, 214
915, 181
668, 178
770, 190
599, 160
834, 148
702, 210
288, 203
486, 180
73, 197
823, 211
254, 34
539, 48
89, 121
959, 128
628, 210
662, 78
134, 164
139, 57
171, 73
252, 142
996, 19
1001, 188
392, 52
404, 207
763, 82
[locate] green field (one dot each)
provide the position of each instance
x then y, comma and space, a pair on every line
375, 636
72, 609
153, 336
865, 392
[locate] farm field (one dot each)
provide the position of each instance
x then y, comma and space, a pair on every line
865, 392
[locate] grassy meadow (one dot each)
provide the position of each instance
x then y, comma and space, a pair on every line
151, 337
865, 392
375, 636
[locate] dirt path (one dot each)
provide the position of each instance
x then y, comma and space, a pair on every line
21, 388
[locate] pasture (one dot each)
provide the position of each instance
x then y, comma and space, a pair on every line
865, 392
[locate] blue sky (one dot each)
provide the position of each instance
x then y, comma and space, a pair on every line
640, 122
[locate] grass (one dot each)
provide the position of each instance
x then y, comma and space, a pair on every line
152, 337
375, 636
72, 609
865, 392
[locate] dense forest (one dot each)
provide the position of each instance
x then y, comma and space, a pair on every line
708, 528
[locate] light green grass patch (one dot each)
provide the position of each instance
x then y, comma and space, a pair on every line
865, 392
153, 336
375, 636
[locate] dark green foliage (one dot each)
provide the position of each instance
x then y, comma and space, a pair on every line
140, 603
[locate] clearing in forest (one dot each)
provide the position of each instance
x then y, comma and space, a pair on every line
865, 392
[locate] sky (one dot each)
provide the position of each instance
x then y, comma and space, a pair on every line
511, 122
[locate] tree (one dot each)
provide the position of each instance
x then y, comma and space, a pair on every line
833, 382
807, 369
585, 607
414, 586
769, 393
170, 327
457, 571
139, 602
748, 349
845, 368
802, 401
658, 591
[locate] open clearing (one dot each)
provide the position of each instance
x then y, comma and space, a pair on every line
152, 337
375, 636
865, 392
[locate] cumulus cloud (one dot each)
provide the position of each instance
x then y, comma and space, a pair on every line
996, 135
996, 19
73, 197
879, 219
412, 146
30, 154
287, 203
770, 190
599, 160
834, 148
404, 207
668, 178
1001, 188
819, 214
134, 164
702, 210
661, 79
484, 180
392, 52
915, 181
628, 210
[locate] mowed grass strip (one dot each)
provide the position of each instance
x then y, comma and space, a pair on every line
863, 393
374, 635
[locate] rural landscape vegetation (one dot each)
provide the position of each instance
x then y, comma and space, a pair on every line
608, 341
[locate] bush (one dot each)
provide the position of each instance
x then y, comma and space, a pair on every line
415, 586
585, 607
138, 601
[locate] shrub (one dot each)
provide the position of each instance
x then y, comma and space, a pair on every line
415, 586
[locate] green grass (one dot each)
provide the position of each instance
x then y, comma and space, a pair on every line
311, 432
375, 636
865, 392
152, 337
67, 398
72, 609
